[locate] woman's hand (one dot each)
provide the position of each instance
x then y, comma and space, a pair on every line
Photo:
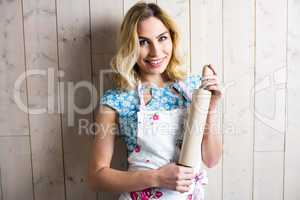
211, 83
175, 177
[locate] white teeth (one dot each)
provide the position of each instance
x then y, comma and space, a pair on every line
156, 61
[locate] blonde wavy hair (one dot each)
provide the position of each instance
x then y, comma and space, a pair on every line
124, 62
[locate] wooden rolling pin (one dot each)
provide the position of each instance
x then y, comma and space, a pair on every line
190, 154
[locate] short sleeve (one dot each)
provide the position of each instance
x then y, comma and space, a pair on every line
192, 82
110, 98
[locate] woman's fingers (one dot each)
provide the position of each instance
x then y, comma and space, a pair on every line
212, 77
176, 177
188, 170
182, 188
211, 83
184, 182
208, 81
185, 176
183, 185
184, 179
185, 170
213, 87
206, 84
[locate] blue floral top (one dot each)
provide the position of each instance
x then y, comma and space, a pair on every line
126, 103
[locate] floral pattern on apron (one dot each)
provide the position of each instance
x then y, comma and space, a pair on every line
159, 139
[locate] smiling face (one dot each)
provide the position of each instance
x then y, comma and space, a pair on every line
155, 47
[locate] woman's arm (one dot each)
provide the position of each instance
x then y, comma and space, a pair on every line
211, 142
103, 178
100, 176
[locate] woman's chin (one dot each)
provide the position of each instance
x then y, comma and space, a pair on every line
156, 68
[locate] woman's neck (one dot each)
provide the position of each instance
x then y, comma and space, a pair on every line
158, 80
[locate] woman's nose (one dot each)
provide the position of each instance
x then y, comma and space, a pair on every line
155, 49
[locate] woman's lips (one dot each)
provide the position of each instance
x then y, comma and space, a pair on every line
155, 62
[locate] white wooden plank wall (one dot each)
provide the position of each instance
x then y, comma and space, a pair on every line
292, 150
270, 66
238, 36
254, 45
40, 43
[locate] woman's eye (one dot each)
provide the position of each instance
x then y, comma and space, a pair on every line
143, 42
162, 38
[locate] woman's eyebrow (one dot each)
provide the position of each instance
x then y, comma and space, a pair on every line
145, 38
162, 34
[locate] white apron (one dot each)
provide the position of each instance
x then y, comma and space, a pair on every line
159, 139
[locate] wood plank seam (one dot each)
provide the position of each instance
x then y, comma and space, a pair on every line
91, 60
27, 99
8, 136
286, 98
223, 106
1, 188
60, 103
254, 78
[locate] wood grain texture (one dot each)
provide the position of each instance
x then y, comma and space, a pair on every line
1, 190
254, 46
12, 66
75, 60
238, 40
270, 78
16, 174
268, 177
45, 134
106, 19
292, 142
206, 47
270, 95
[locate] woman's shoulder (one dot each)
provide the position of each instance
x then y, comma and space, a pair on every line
118, 99
113, 93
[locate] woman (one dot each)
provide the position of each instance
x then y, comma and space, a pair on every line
148, 107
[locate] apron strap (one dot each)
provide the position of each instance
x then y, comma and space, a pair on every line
141, 95
140, 92
185, 89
